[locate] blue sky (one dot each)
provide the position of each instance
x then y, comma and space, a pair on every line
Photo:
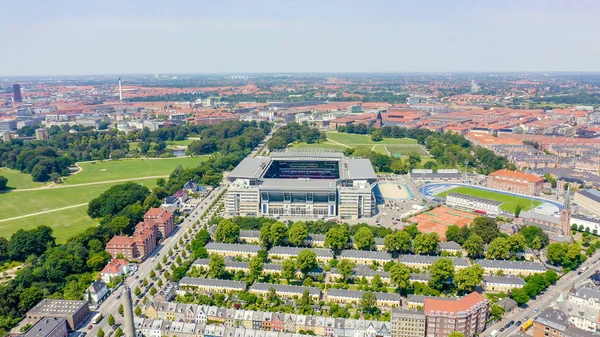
226, 36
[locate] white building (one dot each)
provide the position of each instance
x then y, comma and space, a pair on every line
96, 292
471, 203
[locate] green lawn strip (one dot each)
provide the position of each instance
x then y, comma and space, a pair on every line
184, 142
130, 168
14, 204
18, 180
510, 202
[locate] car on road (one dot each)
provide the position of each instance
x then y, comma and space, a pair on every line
119, 296
507, 326
502, 329
137, 277
511, 323
90, 327
518, 323
83, 334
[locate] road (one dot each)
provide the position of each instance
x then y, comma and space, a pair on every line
111, 304
544, 301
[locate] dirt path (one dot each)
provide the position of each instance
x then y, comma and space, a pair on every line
338, 143
43, 212
87, 184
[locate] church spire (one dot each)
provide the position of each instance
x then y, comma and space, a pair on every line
567, 203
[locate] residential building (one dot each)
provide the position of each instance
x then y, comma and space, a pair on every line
550, 322
365, 256
48, 327
425, 261
515, 181
207, 285
115, 268
582, 307
17, 93
75, 312
467, 315
407, 323
41, 134
505, 267
286, 291
232, 249
280, 252
137, 247
386, 300
163, 219
591, 225
96, 292
502, 284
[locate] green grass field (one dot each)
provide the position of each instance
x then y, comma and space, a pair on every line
509, 202
184, 142
18, 180
130, 168
401, 147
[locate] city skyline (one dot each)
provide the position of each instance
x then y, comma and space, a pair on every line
72, 38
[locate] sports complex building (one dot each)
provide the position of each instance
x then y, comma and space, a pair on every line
303, 184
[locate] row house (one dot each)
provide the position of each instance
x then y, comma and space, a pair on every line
280, 252
506, 267
286, 291
386, 300
365, 257
206, 285
502, 284
425, 261
232, 249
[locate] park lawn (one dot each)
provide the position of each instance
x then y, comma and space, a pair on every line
324, 145
134, 146
65, 223
406, 149
510, 202
184, 142
355, 139
130, 168
18, 180
14, 204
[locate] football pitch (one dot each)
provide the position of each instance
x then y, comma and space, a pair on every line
510, 202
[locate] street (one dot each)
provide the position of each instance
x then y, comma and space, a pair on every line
545, 300
111, 303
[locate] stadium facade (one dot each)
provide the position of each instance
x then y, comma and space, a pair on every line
313, 185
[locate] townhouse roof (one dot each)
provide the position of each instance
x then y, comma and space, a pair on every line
249, 234
365, 254
508, 280
450, 245
320, 252
426, 259
208, 282
356, 294
505, 264
114, 266
285, 288
591, 194
120, 240
553, 318
233, 247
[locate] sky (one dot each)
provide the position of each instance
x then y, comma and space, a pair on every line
74, 37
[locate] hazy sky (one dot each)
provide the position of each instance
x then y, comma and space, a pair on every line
41, 37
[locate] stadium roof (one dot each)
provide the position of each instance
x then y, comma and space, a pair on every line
359, 168
249, 168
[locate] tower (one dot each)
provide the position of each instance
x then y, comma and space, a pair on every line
120, 91
565, 215
378, 121
17, 92
129, 326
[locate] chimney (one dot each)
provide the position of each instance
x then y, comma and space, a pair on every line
129, 327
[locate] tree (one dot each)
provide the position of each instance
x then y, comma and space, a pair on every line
486, 228
426, 243
288, 269
453, 233
556, 252
256, 267
137, 292
364, 239
3, 183
442, 272
160, 182
520, 296
346, 269
121, 310
412, 230
216, 266
517, 243
307, 261
119, 332
30, 297
468, 278
278, 233
498, 249
518, 210
24, 243
368, 300
152, 274
399, 241
376, 283
551, 276
138, 311
400, 275
153, 291
297, 234
497, 311
111, 320
100, 333
337, 238
227, 231
474, 246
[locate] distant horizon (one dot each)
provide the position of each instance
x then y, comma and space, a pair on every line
70, 37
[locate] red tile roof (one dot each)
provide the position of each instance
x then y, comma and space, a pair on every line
532, 178
120, 240
452, 305
114, 266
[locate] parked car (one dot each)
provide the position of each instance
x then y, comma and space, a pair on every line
90, 327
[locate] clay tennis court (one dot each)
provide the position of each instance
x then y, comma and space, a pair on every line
438, 219
395, 191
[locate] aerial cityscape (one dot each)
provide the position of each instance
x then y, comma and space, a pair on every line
298, 168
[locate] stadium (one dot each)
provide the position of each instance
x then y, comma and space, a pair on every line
307, 184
